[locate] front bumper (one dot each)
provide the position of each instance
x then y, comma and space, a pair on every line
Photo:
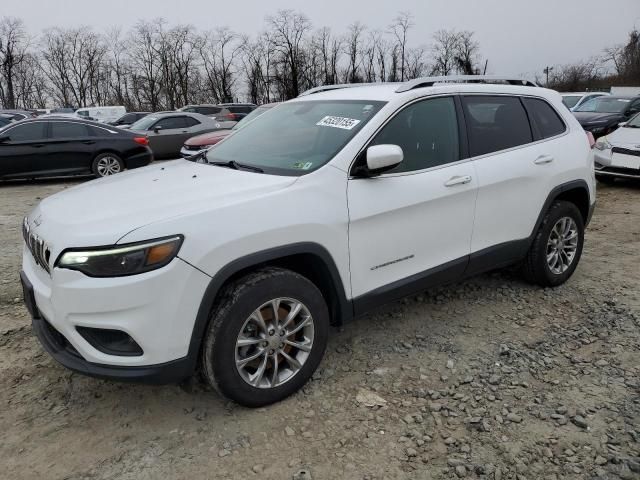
185, 152
156, 309
621, 164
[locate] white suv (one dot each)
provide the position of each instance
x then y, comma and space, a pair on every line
321, 209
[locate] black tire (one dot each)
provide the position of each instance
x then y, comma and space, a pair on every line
237, 303
536, 269
606, 179
110, 158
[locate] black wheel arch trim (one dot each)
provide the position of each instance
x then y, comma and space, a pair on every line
553, 196
344, 310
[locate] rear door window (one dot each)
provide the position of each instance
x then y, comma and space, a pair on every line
190, 121
495, 123
68, 130
545, 118
170, 123
28, 132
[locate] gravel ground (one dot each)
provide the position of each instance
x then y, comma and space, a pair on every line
491, 378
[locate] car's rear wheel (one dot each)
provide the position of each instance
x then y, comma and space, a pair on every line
265, 338
557, 247
107, 164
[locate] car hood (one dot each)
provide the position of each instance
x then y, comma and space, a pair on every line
207, 138
625, 137
589, 118
101, 212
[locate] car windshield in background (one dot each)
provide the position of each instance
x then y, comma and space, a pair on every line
245, 121
144, 123
571, 100
297, 137
634, 122
604, 105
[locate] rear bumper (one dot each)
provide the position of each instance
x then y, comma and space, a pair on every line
139, 160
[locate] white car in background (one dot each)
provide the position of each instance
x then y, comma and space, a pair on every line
617, 155
101, 114
575, 99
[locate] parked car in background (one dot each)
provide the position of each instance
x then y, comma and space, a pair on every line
167, 132
199, 143
102, 114
224, 116
18, 114
617, 155
5, 120
62, 110
239, 110
601, 115
128, 119
575, 99
61, 146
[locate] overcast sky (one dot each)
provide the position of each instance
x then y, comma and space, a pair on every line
517, 36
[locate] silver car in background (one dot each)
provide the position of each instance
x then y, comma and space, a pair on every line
573, 100
167, 132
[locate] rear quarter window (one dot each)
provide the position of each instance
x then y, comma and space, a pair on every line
546, 120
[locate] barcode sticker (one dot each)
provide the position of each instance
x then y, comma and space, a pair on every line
338, 122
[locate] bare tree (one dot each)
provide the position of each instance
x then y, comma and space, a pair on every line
219, 51
289, 32
443, 51
13, 51
353, 49
400, 29
466, 53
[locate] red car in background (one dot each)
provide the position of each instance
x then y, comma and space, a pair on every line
197, 144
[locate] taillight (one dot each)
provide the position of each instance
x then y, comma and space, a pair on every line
141, 140
231, 116
590, 139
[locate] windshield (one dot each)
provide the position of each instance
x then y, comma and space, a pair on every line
296, 137
604, 105
256, 113
634, 122
144, 123
571, 100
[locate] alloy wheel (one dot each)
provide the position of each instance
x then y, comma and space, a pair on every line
562, 245
274, 343
108, 166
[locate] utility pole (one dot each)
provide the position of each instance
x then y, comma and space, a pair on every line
546, 71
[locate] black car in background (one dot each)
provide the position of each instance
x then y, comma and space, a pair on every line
128, 119
63, 146
601, 115
5, 120
239, 110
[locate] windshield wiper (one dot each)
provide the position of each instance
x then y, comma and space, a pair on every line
237, 166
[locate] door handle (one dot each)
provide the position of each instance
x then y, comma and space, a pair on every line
543, 159
89, 142
458, 180
38, 145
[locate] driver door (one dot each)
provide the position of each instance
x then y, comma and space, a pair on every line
26, 144
411, 227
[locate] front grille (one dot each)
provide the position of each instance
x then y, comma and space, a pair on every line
37, 246
626, 151
195, 148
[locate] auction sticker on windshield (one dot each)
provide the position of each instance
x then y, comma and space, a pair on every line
338, 122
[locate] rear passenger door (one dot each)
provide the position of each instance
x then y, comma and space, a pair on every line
167, 135
70, 149
515, 170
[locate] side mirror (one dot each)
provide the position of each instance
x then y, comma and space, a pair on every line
157, 129
4, 138
381, 158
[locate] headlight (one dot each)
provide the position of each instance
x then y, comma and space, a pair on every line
122, 260
603, 144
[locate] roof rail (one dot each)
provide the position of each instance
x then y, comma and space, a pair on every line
327, 88
431, 81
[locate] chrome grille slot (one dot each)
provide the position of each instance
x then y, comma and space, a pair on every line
37, 246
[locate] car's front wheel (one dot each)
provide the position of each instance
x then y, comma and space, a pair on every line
107, 164
266, 337
557, 246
